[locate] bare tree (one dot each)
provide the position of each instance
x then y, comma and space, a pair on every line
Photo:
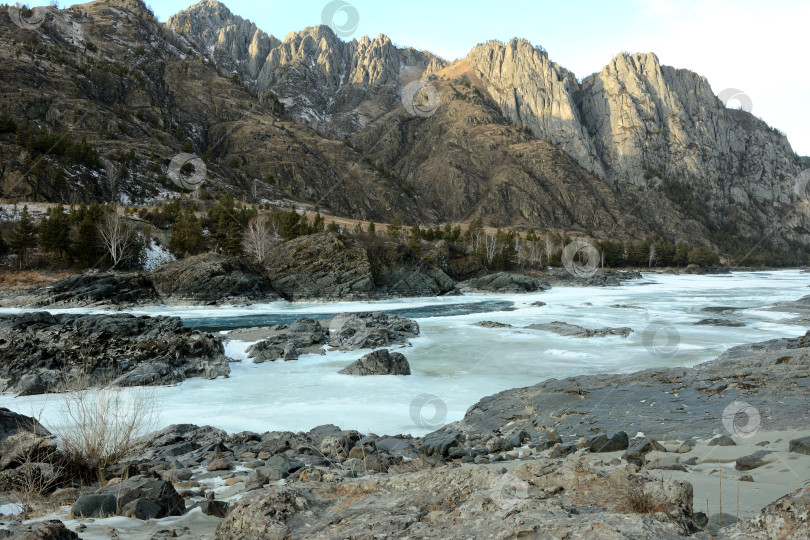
491, 247
113, 175
260, 236
536, 255
653, 256
118, 236
550, 248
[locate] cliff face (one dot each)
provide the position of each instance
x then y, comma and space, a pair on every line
335, 86
637, 122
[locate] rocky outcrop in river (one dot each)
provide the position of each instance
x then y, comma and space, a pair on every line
41, 352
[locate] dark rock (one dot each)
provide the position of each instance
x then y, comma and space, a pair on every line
639, 448
562, 450
160, 492
39, 349
218, 509
504, 282
752, 461
284, 463
212, 278
800, 446
41, 530
603, 443
719, 521
723, 440
572, 330
142, 509
95, 505
439, 443
492, 324
330, 266
746, 478
379, 362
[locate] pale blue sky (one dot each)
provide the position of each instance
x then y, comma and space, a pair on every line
756, 47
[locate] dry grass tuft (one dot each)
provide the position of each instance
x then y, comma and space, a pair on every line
29, 279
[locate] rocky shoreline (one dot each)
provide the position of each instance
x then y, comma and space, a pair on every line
556, 460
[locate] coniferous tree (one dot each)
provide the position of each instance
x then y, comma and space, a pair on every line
88, 246
54, 231
24, 236
186, 235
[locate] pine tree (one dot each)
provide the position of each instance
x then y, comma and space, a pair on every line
394, 228
54, 231
4, 250
88, 249
186, 235
372, 228
23, 237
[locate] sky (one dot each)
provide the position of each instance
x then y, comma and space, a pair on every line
756, 48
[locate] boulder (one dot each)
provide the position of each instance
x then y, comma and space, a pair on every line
42, 530
639, 448
752, 461
95, 505
800, 446
379, 362
329, 266
212, 278
139, 487
723, 440
142, 509
603, 443
504, 283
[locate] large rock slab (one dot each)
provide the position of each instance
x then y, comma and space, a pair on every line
380, 362
534, 499
679, 403
504, 283
212, 278
40, 349
331, 267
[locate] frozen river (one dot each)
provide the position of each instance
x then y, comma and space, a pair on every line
456, 363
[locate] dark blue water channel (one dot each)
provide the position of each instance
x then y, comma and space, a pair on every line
213, 323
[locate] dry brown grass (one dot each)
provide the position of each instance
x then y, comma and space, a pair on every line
635, 501
28, 279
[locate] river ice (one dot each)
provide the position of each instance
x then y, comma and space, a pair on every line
456, 363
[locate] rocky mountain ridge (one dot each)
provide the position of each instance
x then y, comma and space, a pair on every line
636, 124
637, 150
